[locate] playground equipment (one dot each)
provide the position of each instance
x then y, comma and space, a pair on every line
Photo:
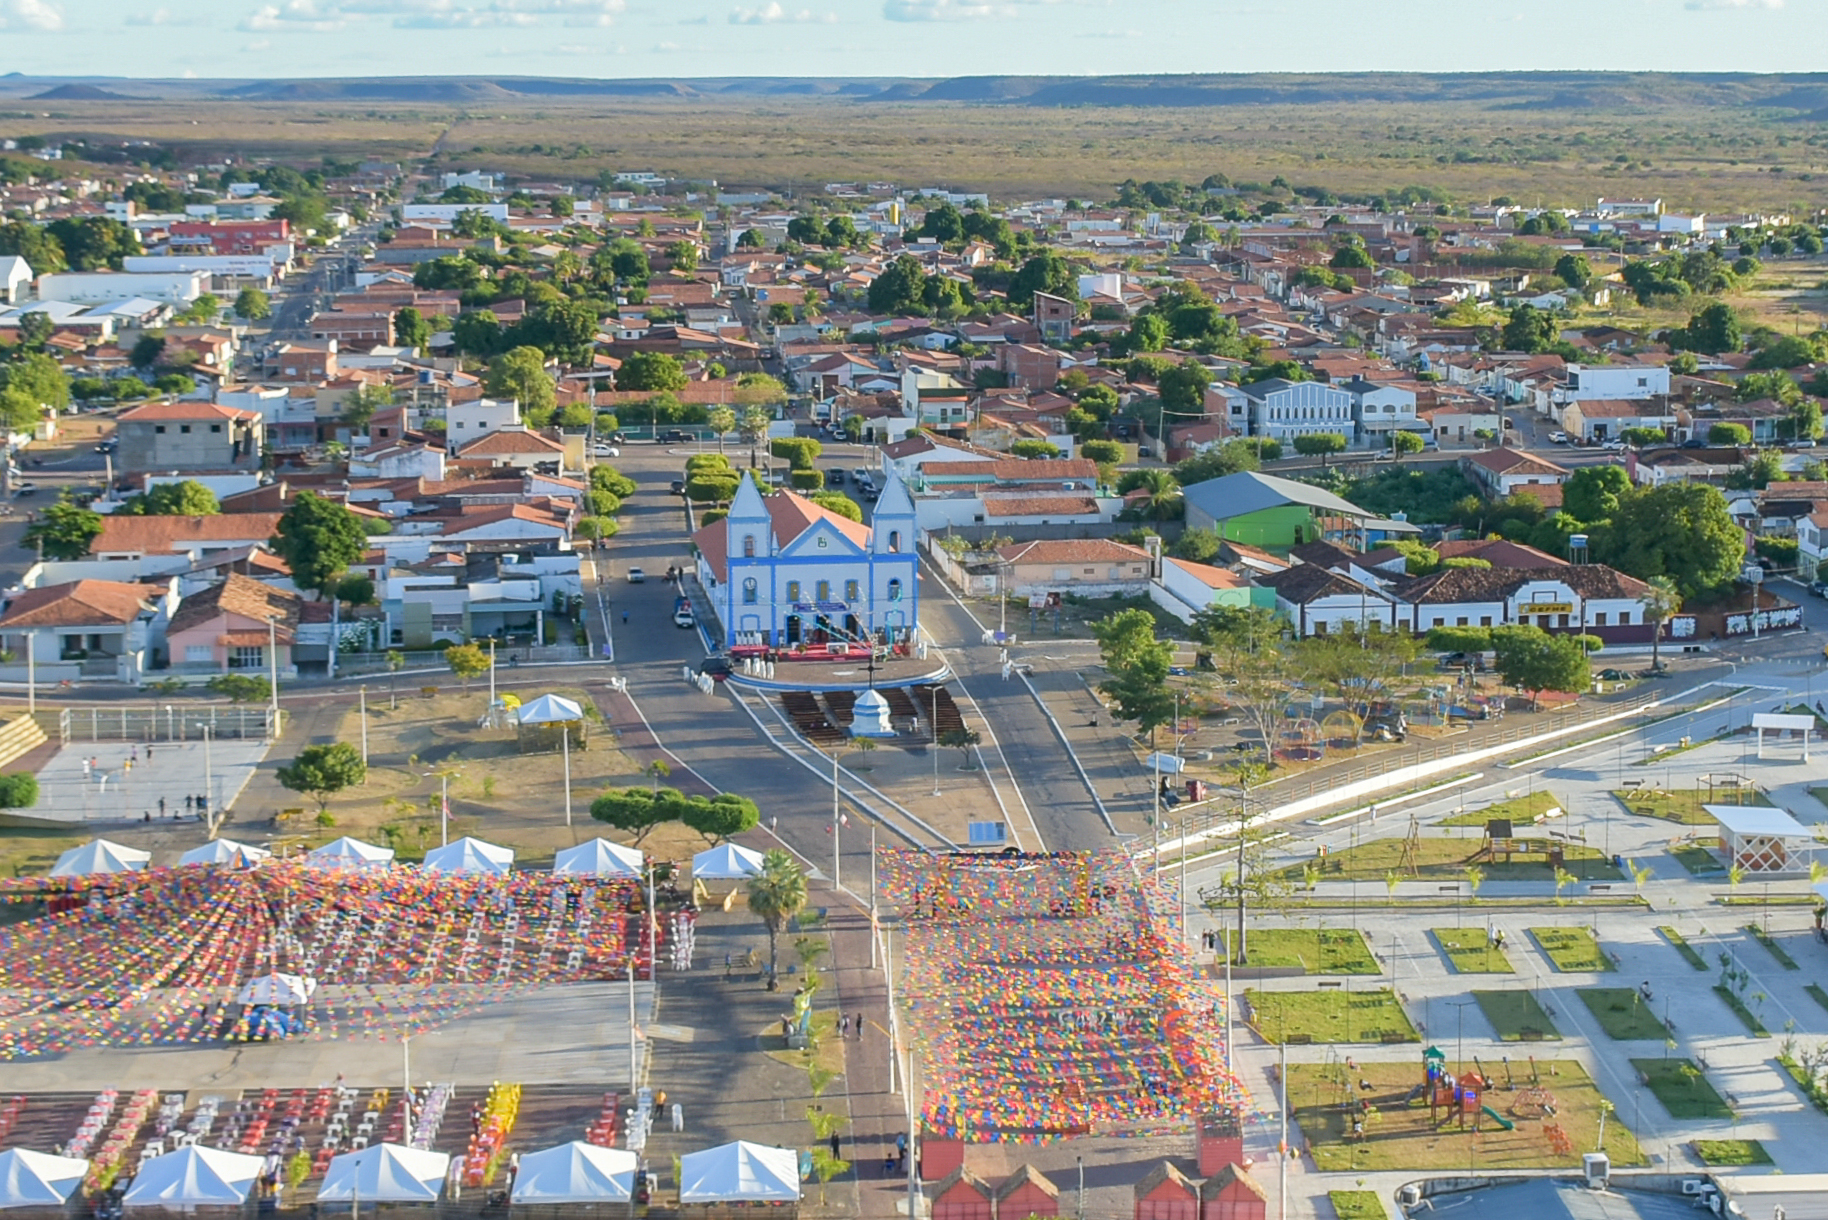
1460, 1096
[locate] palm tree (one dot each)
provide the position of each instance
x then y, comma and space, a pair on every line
776, 895
1661, 601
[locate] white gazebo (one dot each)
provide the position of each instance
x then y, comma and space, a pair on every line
278, 988
549, 709
100, 856
385, 1173
469, 855
350, 853
225, 851
38, 1179
726, 862
576, 1173
194, 1176
599, 858
740, 1173
1760, 839
1796, 727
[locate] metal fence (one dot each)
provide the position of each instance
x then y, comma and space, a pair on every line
168, 722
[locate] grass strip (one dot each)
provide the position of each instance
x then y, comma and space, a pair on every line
1682, 1088
1777, 950
1682, 946
1516, 1016
1623, 1014
1471, 952
1357, 1205
1731, 1152
1572, 950
1746, 1015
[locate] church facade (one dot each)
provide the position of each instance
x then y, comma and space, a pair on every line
785, 575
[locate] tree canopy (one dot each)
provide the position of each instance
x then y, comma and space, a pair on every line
322, 771
318, 539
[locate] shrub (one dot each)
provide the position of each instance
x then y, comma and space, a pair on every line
800, 451
699, 463
1105, 453
18, 790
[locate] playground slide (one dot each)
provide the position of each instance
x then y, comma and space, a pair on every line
1500, 1119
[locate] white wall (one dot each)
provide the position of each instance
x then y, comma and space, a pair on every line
98, 287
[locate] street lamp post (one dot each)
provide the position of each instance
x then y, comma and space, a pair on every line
273, 677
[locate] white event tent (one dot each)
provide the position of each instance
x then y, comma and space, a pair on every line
194, 1176
38, 1179
599, 858
100, 856
350, 853
576, 1173
469, 855
385, 1173
225, 851
726, 862
740, 1173
277, 988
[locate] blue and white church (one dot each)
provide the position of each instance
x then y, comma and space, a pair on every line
787, 576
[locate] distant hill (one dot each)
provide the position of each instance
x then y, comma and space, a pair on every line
79, 93
1571, 91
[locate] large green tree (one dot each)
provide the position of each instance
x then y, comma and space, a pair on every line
521, 373
34, 244
187, 498
318, 539
93, 243
1137, 664
322, 771
29, 384
1532, 659
1592, 493
1680, 530
1045, 272
776, 895
652, 371
65, 529
901, 288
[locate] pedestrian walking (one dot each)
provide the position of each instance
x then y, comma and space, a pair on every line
161, 806
844, 1026
133, 755
678, 1112
859, 1020
85, 768
190, 802
834, 1145
625, 618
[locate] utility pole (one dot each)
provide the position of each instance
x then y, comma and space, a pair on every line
363, 692
273, 682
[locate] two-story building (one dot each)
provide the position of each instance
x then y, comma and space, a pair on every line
189, 436
1282, 410
783, 574
1378, 409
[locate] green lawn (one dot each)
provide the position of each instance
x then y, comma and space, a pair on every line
1682, 1088
1358, 1205
1732, 1152
1329, 1016
1447, 858
1572, 950
1516, 1016
1684, 805
1688, 951
1314, 950
1522, 811
1470, 951
1623, 1014
1699, 856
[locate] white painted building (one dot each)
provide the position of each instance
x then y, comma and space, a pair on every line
95, 287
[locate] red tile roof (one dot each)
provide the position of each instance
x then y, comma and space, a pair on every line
79, 603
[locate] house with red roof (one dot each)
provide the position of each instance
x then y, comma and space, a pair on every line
783, 573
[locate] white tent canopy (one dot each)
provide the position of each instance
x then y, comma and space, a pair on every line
194, 1176
576, 1173
224, 851
469, 855
740, 1172
38, 1179
385, 1173
550, 709
277, 988
726, 862
351, 853
599, 858
100, 856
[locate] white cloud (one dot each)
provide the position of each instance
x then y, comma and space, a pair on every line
774, 14
164, 16
292, 15
435, 14
30, 15
941, 10
1700, 6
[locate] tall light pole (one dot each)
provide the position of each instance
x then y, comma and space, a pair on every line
209, 778
273, 678
363, 691
491, 677
565, 729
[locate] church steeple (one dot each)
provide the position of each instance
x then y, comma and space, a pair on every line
750, 530
892, 524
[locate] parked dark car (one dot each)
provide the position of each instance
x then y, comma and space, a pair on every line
674, 434
678, 487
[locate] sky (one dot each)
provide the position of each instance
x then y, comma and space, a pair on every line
901, 38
